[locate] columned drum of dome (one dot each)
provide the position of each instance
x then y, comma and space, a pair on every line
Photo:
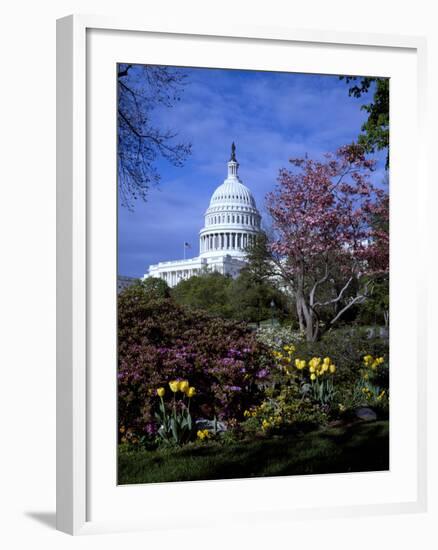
231, 224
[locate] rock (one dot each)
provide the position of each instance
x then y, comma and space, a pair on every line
365, 413
204, 424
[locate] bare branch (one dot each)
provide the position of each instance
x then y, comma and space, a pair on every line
317, 284
338, 297
359, 299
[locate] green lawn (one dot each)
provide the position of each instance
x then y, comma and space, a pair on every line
354, 448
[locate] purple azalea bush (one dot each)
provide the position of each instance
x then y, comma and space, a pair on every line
160, 341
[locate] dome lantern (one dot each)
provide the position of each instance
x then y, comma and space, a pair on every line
233, 165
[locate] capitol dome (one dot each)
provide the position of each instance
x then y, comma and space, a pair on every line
232, 220
231, 225
232, 191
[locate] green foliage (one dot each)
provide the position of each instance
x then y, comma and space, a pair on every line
375, 310
146, 290
277, 337
253, 300
260, 267
346, 347
375, 130
284, 409
176, 426
245, 298
156, 288
208, 291
322, 391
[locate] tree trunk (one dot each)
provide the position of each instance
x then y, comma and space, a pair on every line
300, 316
310, 321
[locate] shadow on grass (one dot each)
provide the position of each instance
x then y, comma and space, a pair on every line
355, 448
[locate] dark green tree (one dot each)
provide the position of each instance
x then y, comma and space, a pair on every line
260, 267
156, 288
375, 130
251, 299
208, 291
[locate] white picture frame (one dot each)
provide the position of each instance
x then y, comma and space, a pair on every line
76, 215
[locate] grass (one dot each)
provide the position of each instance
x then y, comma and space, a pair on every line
355, 448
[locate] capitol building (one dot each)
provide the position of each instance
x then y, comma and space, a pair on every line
231, 224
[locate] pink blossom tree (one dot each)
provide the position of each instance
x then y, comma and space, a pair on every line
330, 234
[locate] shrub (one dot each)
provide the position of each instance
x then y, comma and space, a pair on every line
284, 410
277, 337
335, 374
160, 341
208, 291
346, 348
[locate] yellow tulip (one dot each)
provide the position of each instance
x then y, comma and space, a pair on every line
311, 368
332, 369
327, 361
174, 385
203, 434
313, 376
161, 392
190, 392
183, 385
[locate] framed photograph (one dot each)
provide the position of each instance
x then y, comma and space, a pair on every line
239, 328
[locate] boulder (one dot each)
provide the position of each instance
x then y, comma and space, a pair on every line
365, 413
204, 424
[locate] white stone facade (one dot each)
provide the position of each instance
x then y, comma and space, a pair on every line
231, 224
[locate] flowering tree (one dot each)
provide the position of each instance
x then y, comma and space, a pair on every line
330, 227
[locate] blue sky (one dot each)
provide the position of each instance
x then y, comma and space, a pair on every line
270, 116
